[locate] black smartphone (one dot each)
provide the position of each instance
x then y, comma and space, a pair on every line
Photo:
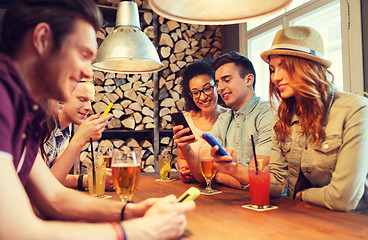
179, 119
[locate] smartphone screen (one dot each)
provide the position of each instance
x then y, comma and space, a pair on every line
179, 119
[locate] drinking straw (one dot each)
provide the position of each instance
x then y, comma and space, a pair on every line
171, 151
254, 153
93, 165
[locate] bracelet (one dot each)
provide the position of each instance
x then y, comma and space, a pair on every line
120, 233
122, 229
123, 210
80, 183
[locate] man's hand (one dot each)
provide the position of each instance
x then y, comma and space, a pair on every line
222, 163
109, 183
92, 127
165, 219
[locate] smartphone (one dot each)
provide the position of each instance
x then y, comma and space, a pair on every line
212, 141
179, 119
191, 194
107, 110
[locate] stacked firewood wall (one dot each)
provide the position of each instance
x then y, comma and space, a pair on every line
179, 44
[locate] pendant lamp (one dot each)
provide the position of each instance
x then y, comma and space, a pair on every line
127, 49
216, 12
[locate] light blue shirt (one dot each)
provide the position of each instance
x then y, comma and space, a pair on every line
234, 129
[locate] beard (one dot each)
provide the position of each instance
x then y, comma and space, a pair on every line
50, 83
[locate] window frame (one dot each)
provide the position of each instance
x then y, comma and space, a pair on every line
351, 37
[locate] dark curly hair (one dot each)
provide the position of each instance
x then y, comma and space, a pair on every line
244, 65
193, 70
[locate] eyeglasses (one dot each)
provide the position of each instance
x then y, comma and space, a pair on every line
207, 91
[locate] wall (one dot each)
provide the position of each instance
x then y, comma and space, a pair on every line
364, 12
135, 107
231, 38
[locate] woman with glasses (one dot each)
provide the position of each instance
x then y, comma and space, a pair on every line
201, 103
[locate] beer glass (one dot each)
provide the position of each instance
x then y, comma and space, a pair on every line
207, 169
126, 170
105, 153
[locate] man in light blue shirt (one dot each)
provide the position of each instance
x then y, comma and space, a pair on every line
235, 79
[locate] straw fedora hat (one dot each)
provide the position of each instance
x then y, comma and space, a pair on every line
300, 41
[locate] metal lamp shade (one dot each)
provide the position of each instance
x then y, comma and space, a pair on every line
216, 12
127, 49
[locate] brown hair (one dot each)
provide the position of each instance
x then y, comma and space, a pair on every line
244, 65
47, 126
311, 84
23, 15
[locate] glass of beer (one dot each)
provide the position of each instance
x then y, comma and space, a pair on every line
207, 169
126, 170
105, 152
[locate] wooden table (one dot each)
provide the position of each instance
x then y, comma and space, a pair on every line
221, 216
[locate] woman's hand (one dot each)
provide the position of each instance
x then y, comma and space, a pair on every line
180, 140
185, 175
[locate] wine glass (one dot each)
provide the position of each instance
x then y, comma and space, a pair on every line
207, 169
126, 170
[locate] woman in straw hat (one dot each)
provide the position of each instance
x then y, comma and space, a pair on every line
320, 139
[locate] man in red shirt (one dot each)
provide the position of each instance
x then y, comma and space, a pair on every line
48, 46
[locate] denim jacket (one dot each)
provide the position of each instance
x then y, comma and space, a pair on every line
337, 167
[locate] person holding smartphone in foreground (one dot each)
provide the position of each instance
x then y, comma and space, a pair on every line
320, 139
46, 47
201, 101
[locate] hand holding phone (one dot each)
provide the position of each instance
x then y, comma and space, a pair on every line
191, 194
179, 119
212, 141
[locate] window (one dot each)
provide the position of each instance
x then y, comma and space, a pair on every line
326, 20
260, 21
325, 16
257, 45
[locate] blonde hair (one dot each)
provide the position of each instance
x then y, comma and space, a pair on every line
87, 80
310, 82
